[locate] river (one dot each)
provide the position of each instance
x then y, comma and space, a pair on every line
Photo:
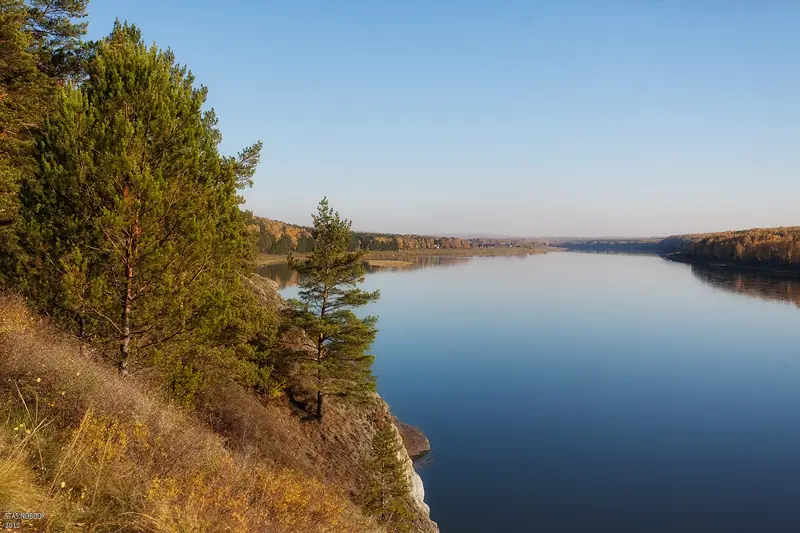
574, 392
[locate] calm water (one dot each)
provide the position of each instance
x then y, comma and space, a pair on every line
593, 393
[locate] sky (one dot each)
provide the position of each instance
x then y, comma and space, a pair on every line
524, 118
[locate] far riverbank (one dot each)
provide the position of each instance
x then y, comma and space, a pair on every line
405, 255
781, 270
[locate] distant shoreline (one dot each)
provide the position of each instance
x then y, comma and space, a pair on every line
276, 259
782, 270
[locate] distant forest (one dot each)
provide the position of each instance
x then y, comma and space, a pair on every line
275, 237
758, 246
769, 246
774, 246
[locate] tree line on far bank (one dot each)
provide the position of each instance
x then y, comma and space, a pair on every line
767, 246
275, 237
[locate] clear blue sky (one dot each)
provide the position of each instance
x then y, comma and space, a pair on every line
509, 117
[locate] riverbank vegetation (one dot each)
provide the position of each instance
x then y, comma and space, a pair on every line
279, 238
647, 245
760, 246
764, 248
148, 381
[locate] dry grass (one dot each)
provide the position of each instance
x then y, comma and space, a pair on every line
18, 489
97, 453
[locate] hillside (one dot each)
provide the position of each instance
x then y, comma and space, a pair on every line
149, 382
97, 452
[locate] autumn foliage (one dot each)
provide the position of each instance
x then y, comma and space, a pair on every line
773, 246
275, 237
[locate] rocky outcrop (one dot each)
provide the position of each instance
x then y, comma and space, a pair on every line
414, 440
417, 488
418, 441
266, 290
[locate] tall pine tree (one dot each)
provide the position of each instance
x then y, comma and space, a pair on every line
133, 227
40, 47
329, 279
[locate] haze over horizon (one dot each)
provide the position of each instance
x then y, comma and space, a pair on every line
508, 118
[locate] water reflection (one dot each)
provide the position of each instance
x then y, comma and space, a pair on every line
645, 403
612, 251
286, 277
280, 273
764, 285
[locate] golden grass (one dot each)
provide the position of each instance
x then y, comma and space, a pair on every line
96, 452
18, 489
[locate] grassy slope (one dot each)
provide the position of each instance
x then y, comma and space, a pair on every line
95, 452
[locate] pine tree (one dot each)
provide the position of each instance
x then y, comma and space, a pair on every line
329, 292
388, 493
132, 226
57, 36
23, 91
39, 45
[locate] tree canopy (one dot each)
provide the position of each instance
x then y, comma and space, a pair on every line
329, 279
41, 48
133, 227
774, 246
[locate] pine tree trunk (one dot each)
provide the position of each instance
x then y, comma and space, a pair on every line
125, 341
320, 342
319, 378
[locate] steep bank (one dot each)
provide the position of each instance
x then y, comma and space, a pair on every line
92, 450
405, 457
85, 446
353, 431
414, 440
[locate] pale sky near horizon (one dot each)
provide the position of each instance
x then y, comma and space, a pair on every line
529, 118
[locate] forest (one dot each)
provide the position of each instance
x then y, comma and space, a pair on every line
275, 237
149, 380
764, 246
